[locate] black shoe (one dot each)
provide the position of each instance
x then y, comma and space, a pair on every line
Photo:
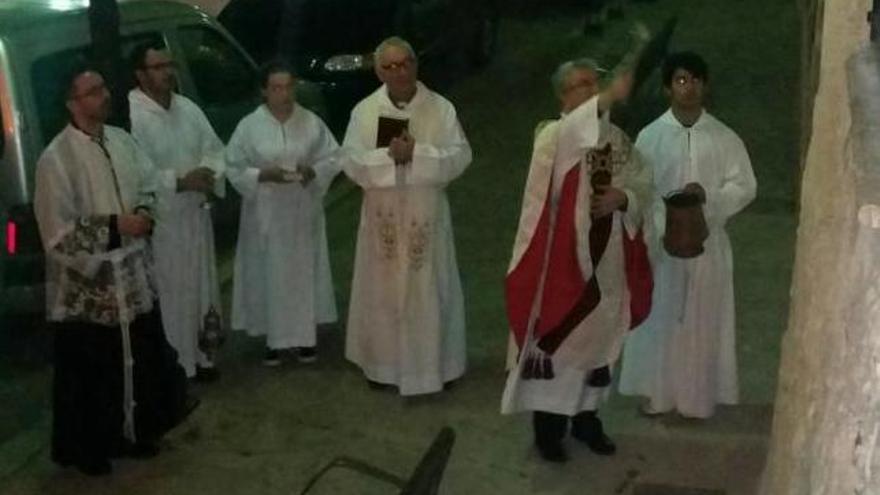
306, 354
100, 467
207, 374
549, 430
587, 428
552, 452
379, 386
449, 385
272, 358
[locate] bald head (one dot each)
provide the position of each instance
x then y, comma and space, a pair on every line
575, 82
397, 43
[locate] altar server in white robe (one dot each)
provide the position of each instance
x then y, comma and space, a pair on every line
281, 158
406, 324
683, 358
181, 143
569, 287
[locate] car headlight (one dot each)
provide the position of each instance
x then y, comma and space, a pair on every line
348, 63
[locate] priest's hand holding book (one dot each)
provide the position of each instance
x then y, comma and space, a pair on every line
401, 148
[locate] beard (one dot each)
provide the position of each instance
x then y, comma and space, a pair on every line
102, 112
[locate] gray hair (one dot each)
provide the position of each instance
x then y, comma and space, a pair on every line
395, 41
566, 68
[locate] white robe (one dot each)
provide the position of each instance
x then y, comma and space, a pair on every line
684, 356
597, 340
179, 140
282, 286
406, 322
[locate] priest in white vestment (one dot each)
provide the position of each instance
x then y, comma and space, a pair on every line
183, 146
406, 324
281, 159
683, 358
568, 288
117, 386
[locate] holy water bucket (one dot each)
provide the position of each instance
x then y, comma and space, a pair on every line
685, 225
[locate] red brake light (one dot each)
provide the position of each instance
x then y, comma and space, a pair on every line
11, 237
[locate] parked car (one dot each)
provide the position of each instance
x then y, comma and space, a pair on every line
330, 42
38, 38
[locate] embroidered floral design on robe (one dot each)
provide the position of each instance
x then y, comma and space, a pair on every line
387, 234
419, 243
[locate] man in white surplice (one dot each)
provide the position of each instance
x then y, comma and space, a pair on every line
406, 320
282, 158
684, 356
181, 143
567, 288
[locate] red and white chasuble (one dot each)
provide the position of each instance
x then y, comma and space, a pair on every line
570, 284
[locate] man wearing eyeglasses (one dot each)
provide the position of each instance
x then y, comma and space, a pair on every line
683, 358
117, 385
567, 291
181, 143
403, 146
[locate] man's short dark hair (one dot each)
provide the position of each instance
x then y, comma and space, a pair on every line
137, 59
689, 61
274, 67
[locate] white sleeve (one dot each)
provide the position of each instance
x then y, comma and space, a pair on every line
437, 164
325, 158
211, 151
637, 185
363, 163
578, 132
68, 237
239, 160
162, 182
738, 186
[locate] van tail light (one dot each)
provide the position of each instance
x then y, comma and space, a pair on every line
22, 235
11, 237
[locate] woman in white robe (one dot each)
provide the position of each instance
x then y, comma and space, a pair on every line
281, 158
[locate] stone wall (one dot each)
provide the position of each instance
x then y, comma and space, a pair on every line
827, 414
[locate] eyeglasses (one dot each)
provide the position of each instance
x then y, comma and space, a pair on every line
687, 79
170, 65
586, 83
392, 66
93, 92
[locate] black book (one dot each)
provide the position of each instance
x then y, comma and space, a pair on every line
388, 129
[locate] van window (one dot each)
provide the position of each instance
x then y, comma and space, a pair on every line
221, 74
48, 75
